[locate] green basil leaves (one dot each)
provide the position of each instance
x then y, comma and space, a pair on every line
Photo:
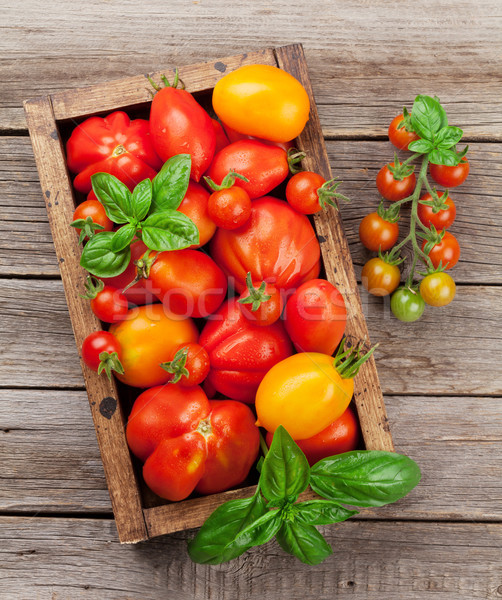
360, 478
148, 213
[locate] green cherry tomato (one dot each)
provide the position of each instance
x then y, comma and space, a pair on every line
407, 305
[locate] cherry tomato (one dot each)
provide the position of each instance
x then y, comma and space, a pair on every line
95, 210
302, 192
189, 365
261, 303
148, 337
276, 244
437, 289
407, 305
95, 344
229, 208
380, 278
262, 101
447, 251
194, 206
376, 233
340, 436
392, 189
188, 282
265, 166
441, 219
110, 305
179, 125
449, 177
315, 317
401, 138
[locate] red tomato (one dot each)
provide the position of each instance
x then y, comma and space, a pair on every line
189, 365
115, 145
392, 189
341, 436
189, 442
95, 210
264, 165
449, 177
376, 233
221, 137
302, 192
401, 138
179, 125
315, 317
441, 219
241, 352
95, 344
235, 136
447, 251
194, 206
262, 303
110, 305
140, 292
188, 282
229, 208
276, 244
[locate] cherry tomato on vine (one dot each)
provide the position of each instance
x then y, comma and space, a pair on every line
437, 289
376, 233
449, 177
101, 351
447, 251
392, 189
261, 304
379, 277
441, 219
401, 137
229, 208
189, 365
407, 305
110, 305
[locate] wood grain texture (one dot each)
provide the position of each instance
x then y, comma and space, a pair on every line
64, 559
355, 54
104, 401
26, 246
50, 458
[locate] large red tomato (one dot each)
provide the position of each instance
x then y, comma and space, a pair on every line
277, 245
241, 352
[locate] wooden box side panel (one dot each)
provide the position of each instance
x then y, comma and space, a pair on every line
103, 398
338, 263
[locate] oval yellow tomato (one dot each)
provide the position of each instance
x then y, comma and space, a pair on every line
304, 393
148, 336
262, 101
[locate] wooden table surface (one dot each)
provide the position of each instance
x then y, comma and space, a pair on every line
441, 376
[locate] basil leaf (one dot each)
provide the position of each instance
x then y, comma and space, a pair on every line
169, 230
99, 259
448, 137
260, 531
450, 157
123, 237
114, 196
365, 478
304, 542
420, 146
171, 183
427, 117
141, 199
285, 471
216, 540
322, 512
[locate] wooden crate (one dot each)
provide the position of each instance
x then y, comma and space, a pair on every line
49, 119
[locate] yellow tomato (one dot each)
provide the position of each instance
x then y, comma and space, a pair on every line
262, 101
304, 393
437, 289
148, 336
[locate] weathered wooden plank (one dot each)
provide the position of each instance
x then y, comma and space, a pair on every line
26, 245
362, 78
463, 338
70, 558
50, 458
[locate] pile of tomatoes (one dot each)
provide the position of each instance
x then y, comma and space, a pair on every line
431, 215
240, 316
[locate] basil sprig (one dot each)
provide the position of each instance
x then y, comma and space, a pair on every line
148, 213
437, 139
359, 478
